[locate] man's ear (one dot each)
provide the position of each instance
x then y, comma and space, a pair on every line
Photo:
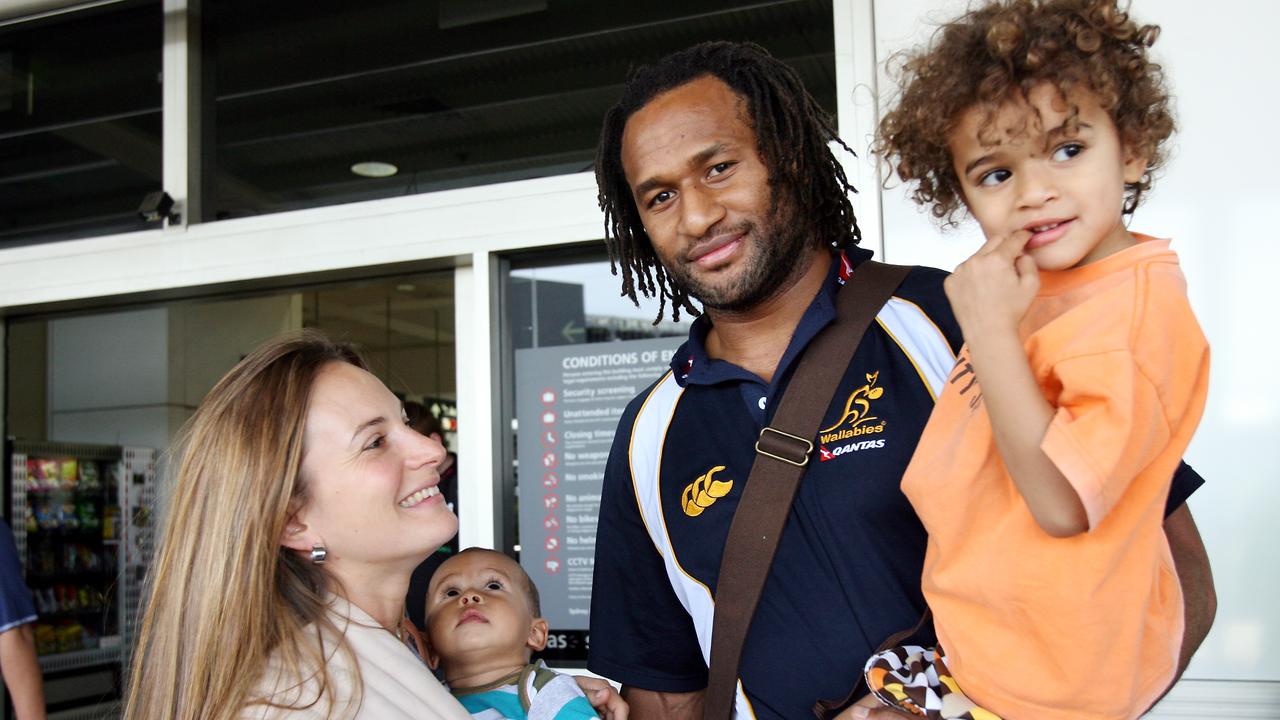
537, 634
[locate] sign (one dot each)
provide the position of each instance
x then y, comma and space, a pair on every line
568, 401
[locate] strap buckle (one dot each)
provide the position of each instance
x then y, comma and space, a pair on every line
790, 449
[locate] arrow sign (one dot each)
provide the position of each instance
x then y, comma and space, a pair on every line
572, 333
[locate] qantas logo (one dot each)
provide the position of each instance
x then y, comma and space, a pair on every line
824, 454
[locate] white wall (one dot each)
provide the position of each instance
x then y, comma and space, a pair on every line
206, 339
109, 379
133, 378
1215, 199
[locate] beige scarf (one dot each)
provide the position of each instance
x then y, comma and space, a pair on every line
397, 686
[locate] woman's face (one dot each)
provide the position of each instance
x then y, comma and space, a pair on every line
371, 480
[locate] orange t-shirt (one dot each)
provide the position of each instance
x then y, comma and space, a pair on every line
1088, 626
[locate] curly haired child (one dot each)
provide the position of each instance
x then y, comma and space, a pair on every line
1042, 473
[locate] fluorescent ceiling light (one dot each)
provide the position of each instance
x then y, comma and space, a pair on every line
374, 169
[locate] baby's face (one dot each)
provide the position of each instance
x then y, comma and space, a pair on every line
477, 609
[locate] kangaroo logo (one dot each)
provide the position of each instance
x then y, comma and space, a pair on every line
857, 409
703, 492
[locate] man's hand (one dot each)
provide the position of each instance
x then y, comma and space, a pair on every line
652, 705
994, 287
607, 702
1199, 598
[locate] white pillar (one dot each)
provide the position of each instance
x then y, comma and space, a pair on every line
479, 413
181, 110
858, 112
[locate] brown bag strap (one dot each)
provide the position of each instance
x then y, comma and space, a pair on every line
783, 450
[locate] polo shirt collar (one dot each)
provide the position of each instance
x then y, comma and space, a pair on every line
692, 366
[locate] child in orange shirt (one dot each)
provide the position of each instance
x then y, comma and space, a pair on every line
1042, 474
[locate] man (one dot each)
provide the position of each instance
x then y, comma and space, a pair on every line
18, 662
718, 185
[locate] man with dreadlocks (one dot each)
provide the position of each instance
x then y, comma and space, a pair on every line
718, 185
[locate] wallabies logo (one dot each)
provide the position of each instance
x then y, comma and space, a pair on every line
857, 408
703, 492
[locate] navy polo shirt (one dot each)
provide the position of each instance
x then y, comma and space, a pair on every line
15, 601
847, 571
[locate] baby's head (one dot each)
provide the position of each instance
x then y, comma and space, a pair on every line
483, 615
1029, 72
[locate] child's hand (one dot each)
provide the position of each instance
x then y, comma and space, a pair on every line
991, 291
606, 701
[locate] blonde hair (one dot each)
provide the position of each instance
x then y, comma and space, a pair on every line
224, 596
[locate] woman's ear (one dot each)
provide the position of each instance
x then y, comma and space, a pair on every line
296, 535
537, 634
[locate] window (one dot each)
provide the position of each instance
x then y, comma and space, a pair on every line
446, 93
579, 354
79, 122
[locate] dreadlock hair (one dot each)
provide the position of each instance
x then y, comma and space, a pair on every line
792, 136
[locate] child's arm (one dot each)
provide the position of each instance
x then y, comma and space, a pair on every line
989, 293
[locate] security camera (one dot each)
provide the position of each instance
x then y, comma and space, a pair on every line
157, 206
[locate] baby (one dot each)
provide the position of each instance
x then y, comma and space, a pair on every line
483, 624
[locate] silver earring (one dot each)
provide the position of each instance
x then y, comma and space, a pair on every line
318, 554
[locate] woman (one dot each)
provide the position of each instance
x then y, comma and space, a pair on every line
302, 503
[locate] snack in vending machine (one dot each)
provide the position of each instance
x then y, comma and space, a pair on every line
67, 473
70, 637
67, 517
87, 514
89, 478
48, 472
110, 522
46, 639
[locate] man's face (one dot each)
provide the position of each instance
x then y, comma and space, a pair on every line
702, 191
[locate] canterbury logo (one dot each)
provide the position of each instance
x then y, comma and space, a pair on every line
857, 409
703, 492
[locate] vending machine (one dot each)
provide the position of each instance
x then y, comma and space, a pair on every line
81, 517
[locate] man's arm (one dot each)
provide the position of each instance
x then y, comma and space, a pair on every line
651, 705
1198, 595
22, 672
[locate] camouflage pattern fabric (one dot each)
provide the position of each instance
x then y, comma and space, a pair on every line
916, 680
